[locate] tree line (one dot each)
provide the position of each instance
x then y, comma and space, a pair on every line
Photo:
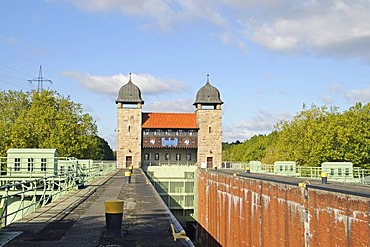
313, 136
47, 119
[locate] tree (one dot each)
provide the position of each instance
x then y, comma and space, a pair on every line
47, 120
104, 151
313, 136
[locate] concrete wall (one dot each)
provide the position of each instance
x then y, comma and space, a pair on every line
236, 211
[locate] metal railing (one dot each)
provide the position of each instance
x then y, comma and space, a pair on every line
357, 175
24, 190
21, 198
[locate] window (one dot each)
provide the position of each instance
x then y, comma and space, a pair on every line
156, 156
146, 156
178, 157
61, 169
30, 164
192, 132
167, 157
146, 132
339, 171
169, 132
129, 128
332, 171
209, 129
158, 132
347, 171
43, 164
17, 164
188, 157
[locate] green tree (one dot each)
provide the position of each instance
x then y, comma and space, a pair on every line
104, 152
47, 120
301, 139
313, 136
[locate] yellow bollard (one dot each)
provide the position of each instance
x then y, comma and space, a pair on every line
113, 218
302, 185
128, 177
324, 178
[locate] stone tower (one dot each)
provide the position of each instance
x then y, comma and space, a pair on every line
209, 119
129, 119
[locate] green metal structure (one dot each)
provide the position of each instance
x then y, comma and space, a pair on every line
31, 178
337, 171
286, 168
177, 186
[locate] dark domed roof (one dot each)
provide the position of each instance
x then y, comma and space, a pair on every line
208, 95
129, 94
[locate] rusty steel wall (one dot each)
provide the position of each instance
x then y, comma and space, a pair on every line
239, 211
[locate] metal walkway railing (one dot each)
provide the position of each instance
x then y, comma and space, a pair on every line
22, 192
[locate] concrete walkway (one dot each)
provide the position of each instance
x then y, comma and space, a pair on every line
79, 218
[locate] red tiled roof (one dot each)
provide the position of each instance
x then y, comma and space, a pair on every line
169, 120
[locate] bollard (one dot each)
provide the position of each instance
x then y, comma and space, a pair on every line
128, 177
324, 178
113, 218
248, 169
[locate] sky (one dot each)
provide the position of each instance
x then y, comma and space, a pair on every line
267, 58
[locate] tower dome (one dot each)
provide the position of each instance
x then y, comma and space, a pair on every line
208, 95
129, 94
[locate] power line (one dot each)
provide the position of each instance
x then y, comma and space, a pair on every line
6, 66
15, 77
24, 59
13, 84
40, 81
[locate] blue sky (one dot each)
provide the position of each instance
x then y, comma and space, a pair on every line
267, 58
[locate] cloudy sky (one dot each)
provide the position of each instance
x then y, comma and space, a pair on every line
267, 58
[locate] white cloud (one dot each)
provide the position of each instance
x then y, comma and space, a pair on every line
179, 105
110, 85
261, 123
165, 13
332, 28
327, 99
231, 134
355, 96
290, 26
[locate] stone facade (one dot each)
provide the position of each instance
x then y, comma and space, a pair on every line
129, 136
130, 127
209, 137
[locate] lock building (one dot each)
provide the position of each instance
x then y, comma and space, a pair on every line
155, 138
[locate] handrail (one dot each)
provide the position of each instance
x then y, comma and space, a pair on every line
35, 185
358, 175
36, 189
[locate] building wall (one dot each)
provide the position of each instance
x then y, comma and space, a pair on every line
209, 135
151, 152
129, 135
236, 211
